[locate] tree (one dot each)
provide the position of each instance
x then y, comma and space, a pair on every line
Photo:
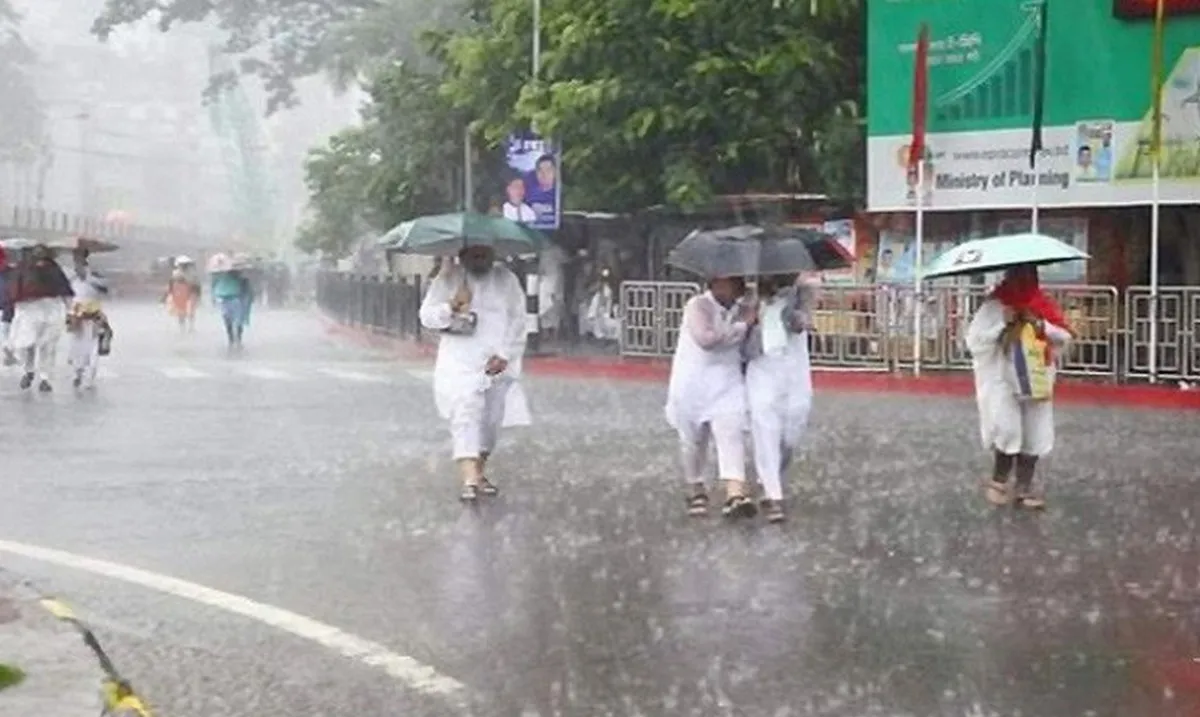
404, 161
674, 100
22, 122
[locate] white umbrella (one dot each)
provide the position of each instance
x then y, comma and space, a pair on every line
219, 262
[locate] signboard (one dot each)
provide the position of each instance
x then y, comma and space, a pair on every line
1145, 8
981, 79
533, 187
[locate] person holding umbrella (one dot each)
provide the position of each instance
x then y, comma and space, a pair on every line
707, 393
778, 381
87, 324
478, 307
42, 297
1014, 339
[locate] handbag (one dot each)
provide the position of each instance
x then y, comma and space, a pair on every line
1035, 381
462, 324
104, 336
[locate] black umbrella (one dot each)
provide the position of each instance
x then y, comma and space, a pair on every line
749, 250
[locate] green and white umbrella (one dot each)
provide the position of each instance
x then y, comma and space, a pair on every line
444, 234
981, 256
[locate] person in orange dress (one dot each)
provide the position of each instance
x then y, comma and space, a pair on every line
183, 294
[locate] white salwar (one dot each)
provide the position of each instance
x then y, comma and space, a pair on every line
83, 352
1008, 423
779, 393
706, 395
37, 328
476, 405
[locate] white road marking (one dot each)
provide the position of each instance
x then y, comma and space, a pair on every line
421, 374
182, 372
412, 673
355, 376
268, 374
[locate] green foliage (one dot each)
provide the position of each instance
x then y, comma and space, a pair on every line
22, 121
674, 100
402, 162
654, 101
10, 676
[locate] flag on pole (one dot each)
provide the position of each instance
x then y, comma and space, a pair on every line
1156, 83
920, 105
1039, 86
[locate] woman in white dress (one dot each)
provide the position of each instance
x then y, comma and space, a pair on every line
778, 382
86, 324
1014, 339
706, 396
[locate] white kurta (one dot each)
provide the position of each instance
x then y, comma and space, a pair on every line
475, 404
779, 393
84, 342
706, 395
1008, 423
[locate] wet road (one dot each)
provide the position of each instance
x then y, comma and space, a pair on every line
312, 475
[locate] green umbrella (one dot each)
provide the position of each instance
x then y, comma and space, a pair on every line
444, 234
981, 256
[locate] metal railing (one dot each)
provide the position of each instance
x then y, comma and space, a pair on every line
860, 328
386, 305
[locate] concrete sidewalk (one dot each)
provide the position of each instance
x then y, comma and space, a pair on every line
62, 678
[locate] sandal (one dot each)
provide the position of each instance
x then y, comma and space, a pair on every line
739, 506
697, 505
997, 493
487, 488
773, 509
1029, 501
470, 493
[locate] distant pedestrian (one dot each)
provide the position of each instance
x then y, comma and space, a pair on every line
479, 308
88, 328
234, 295
1014, 339
42, 295
7, 274
183, 294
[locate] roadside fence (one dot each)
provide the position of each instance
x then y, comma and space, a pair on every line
859, 328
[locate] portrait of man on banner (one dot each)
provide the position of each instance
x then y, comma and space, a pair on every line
532, 193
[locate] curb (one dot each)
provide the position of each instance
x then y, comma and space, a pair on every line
61, 676
1067, 390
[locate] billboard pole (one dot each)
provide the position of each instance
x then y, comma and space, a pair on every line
533, 288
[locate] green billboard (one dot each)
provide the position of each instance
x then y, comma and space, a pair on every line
982, 72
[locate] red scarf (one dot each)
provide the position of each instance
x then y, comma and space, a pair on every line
1022, 292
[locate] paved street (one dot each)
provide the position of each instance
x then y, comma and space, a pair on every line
311, 475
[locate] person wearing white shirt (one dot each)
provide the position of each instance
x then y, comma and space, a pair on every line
479, 308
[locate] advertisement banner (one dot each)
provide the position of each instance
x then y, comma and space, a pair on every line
981, 78
533, 188
843, 231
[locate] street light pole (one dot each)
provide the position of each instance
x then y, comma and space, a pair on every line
537, 38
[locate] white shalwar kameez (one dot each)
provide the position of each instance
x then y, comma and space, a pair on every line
475, 404
83, 352
37, 328
706, 395
779, 393
1008, 423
